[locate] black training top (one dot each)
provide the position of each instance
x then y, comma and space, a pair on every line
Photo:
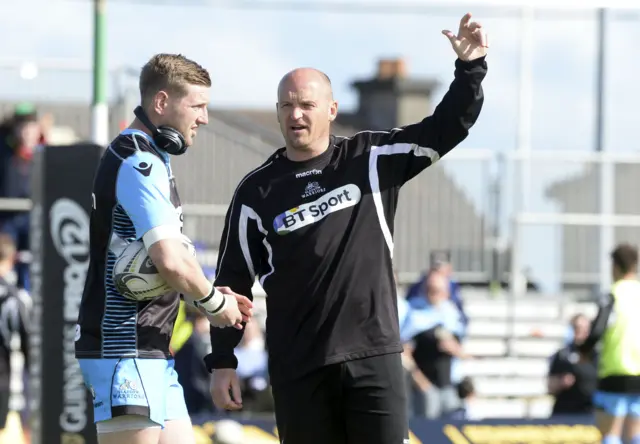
319, 237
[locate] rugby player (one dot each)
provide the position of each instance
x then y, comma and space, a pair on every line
123, 345
617, 399
314, 224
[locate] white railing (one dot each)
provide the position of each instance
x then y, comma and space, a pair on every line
599, 210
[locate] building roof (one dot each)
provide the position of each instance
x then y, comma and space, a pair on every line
433, 213
267, 121
580, 193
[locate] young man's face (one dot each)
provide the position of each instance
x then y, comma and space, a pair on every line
187, 112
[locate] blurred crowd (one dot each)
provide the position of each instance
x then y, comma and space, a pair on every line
22, 132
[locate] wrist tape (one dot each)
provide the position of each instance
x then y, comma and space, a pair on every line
213, 303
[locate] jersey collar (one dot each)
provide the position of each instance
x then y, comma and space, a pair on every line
162, 154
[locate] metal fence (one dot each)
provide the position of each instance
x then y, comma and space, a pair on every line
555, 229
449, 207
577, 207
554, 232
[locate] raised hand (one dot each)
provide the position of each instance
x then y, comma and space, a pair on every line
471, 42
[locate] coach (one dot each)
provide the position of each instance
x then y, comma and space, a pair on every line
314, 224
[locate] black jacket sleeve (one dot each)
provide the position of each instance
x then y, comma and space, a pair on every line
238, 264
412, 148
599, 324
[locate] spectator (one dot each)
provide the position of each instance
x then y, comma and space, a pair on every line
192, 373
467, 396
20, 137
436, 330
440, 262
572, 380
14, 319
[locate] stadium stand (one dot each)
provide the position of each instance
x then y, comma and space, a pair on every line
514, 386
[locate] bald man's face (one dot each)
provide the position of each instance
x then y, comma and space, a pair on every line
436, 288
305, 109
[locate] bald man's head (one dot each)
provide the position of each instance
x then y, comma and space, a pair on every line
305, 111
306, 75
437, 287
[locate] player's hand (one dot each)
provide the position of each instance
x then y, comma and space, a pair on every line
238, 309
225, 389
471, 42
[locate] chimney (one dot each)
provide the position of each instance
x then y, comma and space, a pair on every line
392, 99
391, 68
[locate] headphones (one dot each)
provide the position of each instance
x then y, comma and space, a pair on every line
166, 138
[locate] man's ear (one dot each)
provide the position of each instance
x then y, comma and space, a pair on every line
160, 102
333, 111
277, 113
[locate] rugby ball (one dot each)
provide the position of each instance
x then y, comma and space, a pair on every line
136, 277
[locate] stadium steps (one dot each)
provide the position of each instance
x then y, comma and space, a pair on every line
514, 408
499, 346
504, 367
510, 374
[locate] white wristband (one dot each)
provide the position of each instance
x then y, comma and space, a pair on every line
213, 303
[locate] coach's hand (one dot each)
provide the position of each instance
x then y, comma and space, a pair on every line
471, 42
238, 309
225, 389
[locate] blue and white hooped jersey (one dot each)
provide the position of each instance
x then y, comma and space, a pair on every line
134, 191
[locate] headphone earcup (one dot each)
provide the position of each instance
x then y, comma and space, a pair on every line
170, 141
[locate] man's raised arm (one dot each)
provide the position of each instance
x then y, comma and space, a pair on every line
406, 151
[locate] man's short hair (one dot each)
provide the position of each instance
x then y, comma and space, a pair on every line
170, 72
625, 257
439, 258
465, 388
576, 317
7, 247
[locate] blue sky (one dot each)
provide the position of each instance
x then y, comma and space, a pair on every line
248, 51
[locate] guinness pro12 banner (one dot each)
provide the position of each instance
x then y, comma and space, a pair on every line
62, 178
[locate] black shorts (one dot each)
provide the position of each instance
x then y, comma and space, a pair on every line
355, 402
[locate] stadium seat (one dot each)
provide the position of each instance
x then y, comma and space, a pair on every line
505, 367
478, 347
536, 347
503, 328
503, 309
501, 408
540, 407
512, 387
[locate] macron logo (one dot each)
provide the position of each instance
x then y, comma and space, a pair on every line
313, 172
312, 212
